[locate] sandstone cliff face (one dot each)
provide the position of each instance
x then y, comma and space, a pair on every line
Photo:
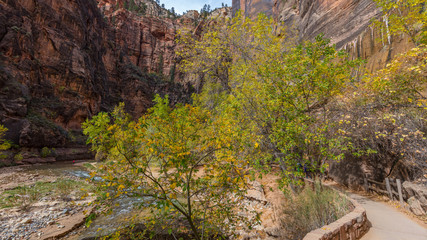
141, 7
345, 22
253, 7
341, 20
148, 39
62, 62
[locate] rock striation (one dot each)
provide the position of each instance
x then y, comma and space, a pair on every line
64, 61
345, 22
341, 20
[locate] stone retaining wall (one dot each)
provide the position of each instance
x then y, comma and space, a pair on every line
350, 227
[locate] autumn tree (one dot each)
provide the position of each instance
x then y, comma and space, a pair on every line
277, 88
404, 16
182, 162
206, 58
384, 113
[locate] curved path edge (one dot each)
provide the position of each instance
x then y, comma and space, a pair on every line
351, 226
389, 223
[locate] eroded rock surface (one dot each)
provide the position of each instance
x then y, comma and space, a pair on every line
342, 20
64, 61
346, 23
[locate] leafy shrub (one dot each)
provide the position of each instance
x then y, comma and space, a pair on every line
187, 164
18, 157
384, 119
312, 209
4, 144
45, 152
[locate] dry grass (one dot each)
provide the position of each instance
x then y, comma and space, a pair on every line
313, 208
24, 196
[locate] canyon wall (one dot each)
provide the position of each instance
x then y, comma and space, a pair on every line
64, 61
340, 20
253, 7
345, 22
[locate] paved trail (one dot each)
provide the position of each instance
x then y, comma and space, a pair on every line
388, 223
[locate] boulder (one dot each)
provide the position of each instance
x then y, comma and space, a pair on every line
256, 192
415, 206
414, 189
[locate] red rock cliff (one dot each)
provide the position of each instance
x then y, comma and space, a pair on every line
62, 61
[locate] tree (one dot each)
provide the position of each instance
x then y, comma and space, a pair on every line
132, 5
408, 17
278, 90
385, 111
213, 49
142, 9
183, 163
388, 112
204, 12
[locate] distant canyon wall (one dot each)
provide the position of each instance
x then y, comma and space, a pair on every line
64, 61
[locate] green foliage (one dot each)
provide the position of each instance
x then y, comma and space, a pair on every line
311, 209
388, 116
126, 5
172, 72
182, 162
138, 8
18, 157
205, 11
382, 117
160, 64
45, 152
277, 89
408, 17
4, 144
266, 99
402, 81
141, 9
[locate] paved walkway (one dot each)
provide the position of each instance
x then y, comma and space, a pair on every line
388, 223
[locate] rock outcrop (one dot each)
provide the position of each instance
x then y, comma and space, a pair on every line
416, 194
64, 61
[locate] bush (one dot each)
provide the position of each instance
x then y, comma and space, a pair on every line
4, 144
45, 152
18, 157
312, 209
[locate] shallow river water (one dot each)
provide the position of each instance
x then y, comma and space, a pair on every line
103, 225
